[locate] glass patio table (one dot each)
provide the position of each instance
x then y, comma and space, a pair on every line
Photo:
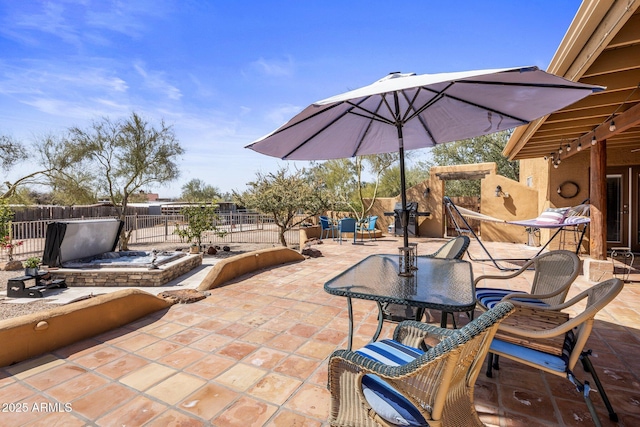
440, 284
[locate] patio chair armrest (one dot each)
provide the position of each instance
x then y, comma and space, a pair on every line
523, 295
540, 333
355, 362
418, 334
501, 276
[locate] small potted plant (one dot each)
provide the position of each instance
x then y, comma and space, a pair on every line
31, 266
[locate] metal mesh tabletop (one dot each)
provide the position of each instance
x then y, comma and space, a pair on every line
441, 284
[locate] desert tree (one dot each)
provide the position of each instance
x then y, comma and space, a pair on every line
123, 157
196, 190
289, 198
50, 166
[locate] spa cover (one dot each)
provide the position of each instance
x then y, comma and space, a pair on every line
70, 240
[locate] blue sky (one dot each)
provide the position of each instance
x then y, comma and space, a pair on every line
225, 73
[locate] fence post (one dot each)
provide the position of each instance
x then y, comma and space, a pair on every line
166, 228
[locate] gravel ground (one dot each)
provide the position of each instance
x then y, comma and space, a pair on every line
8, 311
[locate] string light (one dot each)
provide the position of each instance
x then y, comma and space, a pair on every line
612, 126
594, 140
568, 147
579, 146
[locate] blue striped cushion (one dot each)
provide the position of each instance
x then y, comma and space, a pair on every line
550, 361
384, 399
489, 297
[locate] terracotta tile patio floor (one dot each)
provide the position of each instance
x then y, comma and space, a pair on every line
254, 353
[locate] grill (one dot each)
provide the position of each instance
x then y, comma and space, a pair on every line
412, 209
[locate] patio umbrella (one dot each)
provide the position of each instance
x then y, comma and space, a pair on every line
407, 111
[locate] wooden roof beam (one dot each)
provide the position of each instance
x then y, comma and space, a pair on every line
623, 121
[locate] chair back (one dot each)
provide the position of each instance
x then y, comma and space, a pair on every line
324, 223
454, 248
598, 296
553, 271
347, 225
464, 349
371, 224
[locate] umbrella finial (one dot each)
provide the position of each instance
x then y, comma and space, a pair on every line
395, 75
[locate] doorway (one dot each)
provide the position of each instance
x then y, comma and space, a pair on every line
623, 207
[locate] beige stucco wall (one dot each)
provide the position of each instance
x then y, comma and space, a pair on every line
31, 335
521, 203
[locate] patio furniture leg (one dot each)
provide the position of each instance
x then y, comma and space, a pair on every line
444, 317
585, 389
350, 310
492, 363
380, 321
588, 366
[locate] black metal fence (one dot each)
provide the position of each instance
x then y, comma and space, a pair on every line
29, 236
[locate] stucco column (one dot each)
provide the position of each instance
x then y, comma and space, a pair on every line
598, 200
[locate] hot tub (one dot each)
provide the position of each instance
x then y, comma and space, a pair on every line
125, 259
83, 253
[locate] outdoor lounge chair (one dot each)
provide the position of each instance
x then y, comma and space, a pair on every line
518, 341
397, 382
326, 228
573, 218
555, 271
453, 249
369, 226
347, 225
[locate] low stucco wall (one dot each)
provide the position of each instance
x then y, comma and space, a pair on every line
236, 266
32, 335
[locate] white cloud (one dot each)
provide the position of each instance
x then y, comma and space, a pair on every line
155, 80
274, 67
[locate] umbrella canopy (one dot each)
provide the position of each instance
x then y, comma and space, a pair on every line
408, 111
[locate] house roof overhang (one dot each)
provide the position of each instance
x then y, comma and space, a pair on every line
601, 47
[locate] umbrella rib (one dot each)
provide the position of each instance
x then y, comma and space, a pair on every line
282, 129
410, 104
473, 104
373, 115
438, 97
492, 110
364, 134
418, 111
323, 128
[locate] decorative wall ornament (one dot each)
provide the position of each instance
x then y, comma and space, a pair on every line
568, 189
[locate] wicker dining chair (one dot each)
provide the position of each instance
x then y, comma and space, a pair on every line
521, 338
395, 382
555, 271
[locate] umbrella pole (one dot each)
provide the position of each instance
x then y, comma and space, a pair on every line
404, 218
405, 265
